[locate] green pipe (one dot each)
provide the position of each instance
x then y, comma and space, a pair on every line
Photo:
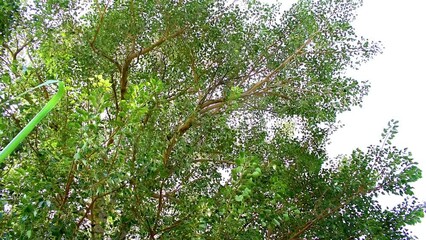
31, 125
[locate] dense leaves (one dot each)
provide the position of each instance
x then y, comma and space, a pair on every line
193, 120
8, 15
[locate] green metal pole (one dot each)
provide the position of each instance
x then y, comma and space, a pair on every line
31, 125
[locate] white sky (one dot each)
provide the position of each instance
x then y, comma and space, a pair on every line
398, 84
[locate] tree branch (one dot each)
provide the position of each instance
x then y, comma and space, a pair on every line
92, 43
178, 133
68, 186
279, 68
94, 199
126, 65
329, 211
156, 44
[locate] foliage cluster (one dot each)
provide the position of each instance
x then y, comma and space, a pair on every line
192, 120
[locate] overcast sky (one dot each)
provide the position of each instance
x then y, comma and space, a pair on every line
398, 83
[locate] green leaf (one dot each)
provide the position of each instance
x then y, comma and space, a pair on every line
239, 198
194, 120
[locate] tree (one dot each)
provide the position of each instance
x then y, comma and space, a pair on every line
8, 14
193, 120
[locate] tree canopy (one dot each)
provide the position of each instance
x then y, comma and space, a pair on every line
192, 120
